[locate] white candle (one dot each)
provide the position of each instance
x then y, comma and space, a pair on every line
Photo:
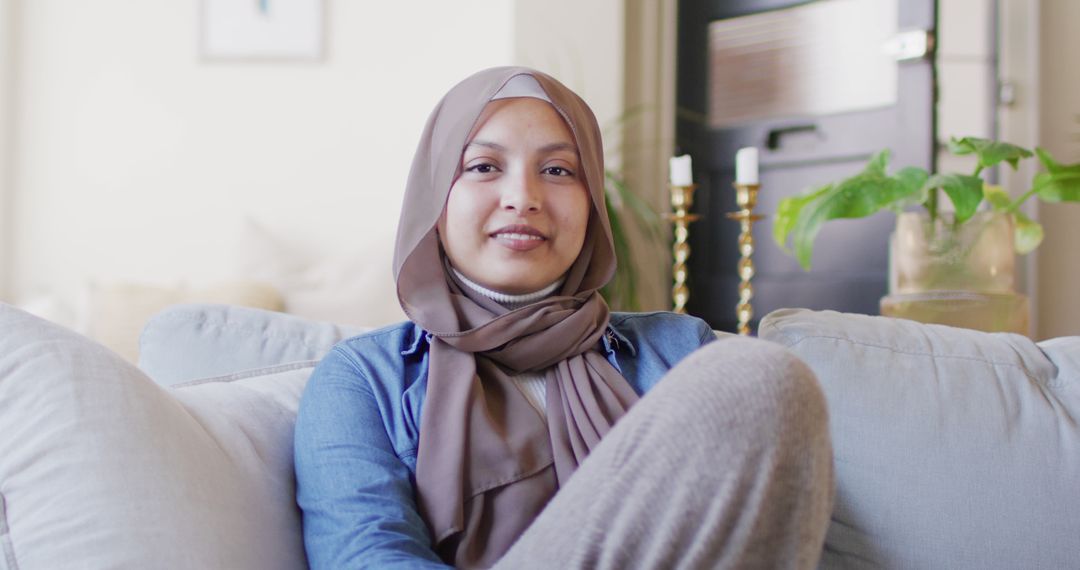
681, 171
746, 166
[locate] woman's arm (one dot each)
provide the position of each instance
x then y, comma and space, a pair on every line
355, 492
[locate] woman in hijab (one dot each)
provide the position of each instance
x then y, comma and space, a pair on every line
501, 425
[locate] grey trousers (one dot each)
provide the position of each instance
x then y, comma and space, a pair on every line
726, 463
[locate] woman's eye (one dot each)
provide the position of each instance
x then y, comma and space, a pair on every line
482, 168
557, 171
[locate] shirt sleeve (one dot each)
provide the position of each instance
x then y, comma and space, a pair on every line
355, 492
705, 333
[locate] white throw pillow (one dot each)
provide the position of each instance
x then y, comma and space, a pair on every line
102, 468
185, 342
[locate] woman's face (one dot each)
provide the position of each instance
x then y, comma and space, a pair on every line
515, 219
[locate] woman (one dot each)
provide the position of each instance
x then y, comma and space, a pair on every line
441, 440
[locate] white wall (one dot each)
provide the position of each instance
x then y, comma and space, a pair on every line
580, 43
7, 42
1059, 118
136, 161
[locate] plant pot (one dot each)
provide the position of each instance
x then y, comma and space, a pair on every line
955, 275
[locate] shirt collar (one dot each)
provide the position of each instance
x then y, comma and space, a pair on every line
615, 340
419, 337
612, 341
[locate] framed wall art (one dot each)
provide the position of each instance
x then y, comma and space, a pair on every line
262, 29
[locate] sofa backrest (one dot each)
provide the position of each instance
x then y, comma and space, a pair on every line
953, 448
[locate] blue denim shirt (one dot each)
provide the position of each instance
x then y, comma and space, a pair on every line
358, 429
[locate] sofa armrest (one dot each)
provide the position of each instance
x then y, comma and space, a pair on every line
954, 448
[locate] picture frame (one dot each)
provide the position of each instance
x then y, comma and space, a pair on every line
262, 30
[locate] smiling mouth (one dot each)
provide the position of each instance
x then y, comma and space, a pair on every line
520, 238
516, 236
519, 231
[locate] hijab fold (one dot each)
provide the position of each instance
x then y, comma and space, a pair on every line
487, 462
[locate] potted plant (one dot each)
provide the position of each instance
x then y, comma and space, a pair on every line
628, 214
949, 265
626, 208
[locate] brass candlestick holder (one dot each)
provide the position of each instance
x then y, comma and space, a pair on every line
682, 198
746, 198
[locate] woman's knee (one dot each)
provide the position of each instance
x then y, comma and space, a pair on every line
754, 380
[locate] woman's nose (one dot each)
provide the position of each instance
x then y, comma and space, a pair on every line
521, 193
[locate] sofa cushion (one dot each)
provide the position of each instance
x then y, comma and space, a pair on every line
102, 468
117, 312
954, 448
185, 342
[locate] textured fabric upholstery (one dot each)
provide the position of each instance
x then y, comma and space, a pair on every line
186, 342
102, 468
953, 448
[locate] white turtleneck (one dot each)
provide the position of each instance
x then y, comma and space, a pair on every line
509, 301
531, 384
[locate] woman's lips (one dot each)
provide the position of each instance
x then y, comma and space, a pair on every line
519, 238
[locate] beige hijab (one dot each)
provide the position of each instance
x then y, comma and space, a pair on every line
488, 462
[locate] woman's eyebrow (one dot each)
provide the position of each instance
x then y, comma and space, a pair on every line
488, 144
558, 146
552, 147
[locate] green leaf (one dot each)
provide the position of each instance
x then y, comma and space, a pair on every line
645, 217
809, 223
787, 213
988, 152
869, 191
964, 191
1027, 233
1060, 186
856, 197
912, 180
997, 196
878, 163
621, 291
1060, 182
1047, 160
859, 196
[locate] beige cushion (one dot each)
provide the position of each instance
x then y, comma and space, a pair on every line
102, 468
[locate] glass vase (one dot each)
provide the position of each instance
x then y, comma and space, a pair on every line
959, 275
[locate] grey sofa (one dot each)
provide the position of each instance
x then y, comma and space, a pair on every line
953, 448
